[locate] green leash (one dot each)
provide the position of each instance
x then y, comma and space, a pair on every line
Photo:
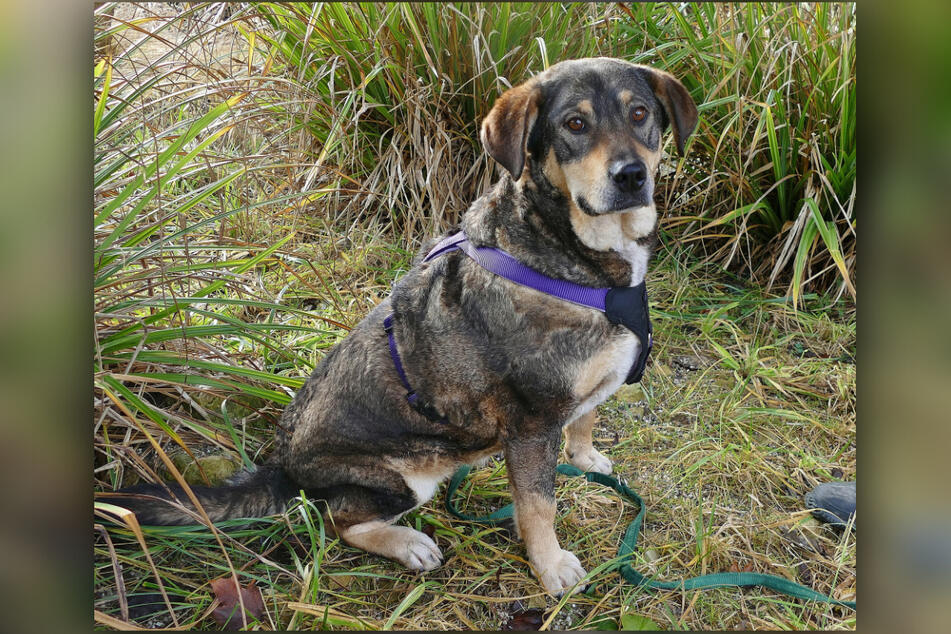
629, 546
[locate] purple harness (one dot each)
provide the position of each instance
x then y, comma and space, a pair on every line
624, 305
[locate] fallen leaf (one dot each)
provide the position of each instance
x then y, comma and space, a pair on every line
429, 530
637, 623
341, 581
525, 620
735, 567
805, 576
228, 612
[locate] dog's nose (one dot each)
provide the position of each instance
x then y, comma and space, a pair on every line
631, 177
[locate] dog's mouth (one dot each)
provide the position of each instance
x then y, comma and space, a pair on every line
619, 205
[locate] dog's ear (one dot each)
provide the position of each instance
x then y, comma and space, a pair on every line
680, 108
505, 130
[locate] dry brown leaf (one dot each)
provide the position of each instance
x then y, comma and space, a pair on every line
228, 612
525, 620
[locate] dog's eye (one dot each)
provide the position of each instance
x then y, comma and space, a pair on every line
639, 114
575, 124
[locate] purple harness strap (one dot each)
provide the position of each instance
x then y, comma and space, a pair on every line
621, 305
504, 265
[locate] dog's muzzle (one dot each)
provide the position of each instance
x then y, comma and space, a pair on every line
630, 177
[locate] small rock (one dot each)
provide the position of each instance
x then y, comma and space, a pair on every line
801, 540
689, 362
630, 393
217, 467
680, 418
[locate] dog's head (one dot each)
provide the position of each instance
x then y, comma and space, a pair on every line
592, 129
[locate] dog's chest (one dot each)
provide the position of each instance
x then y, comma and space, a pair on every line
601, 374
606, 369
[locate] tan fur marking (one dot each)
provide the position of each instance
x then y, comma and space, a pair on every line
602, 373
625, 96
638, 224
651, 158
372, 537
595, 232
604, 232
423, 475
585, 107
557, 569
351, 534
578, 435
504, 132
535, 522
593, 371
588, 176
408, 546
580, 449
554, 174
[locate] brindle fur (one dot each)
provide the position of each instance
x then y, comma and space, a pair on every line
509, 366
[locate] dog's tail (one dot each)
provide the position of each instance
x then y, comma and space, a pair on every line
264, 491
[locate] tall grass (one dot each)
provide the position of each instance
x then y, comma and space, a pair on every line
410, 84
770, 187
183, 179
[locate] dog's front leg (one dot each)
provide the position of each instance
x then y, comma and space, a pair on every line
531, 462
580, 450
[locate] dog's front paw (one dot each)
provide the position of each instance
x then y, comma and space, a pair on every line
592, 460
561, 573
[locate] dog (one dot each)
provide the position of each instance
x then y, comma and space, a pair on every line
494, 365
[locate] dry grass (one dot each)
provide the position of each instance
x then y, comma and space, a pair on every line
222, 282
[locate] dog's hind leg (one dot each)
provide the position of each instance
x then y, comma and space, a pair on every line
580, 450
379, 536
364, 501
413, 549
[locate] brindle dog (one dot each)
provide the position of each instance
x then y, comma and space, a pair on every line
507, 366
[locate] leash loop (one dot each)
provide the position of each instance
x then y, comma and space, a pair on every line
629, 546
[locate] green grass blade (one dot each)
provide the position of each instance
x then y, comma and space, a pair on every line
407, 601
101, 105
193, 131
